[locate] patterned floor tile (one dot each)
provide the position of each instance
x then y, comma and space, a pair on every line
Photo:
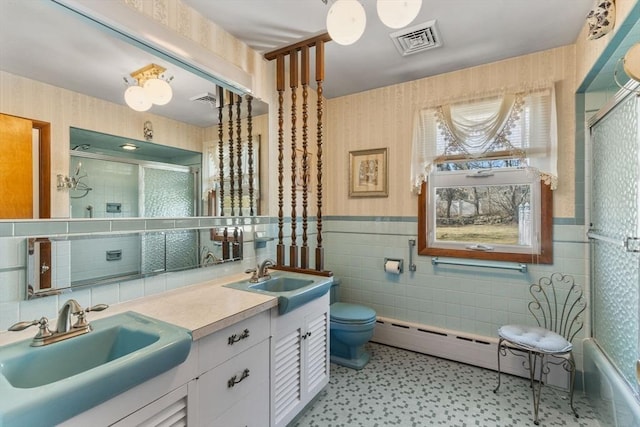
407, 389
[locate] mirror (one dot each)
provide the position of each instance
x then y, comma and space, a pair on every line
78, 82
58, 263
73, 80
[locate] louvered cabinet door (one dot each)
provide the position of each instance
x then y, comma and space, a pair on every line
171, 410
316, 353
287, 375
300, 364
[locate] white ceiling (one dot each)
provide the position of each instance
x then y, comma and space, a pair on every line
473, 32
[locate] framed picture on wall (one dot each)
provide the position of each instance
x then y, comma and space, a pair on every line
368, 175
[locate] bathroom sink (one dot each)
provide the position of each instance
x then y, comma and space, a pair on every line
281, 284
46, 385
291, 289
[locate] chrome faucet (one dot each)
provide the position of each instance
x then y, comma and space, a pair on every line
65, 327
261, 272
64, 315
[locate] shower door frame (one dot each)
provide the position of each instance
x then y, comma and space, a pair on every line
632, 88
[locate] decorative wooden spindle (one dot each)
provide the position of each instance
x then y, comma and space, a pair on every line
239, 150
225, 244
279, 55
221, 149
232, 192
304, 77
280, 88
319, 138
293, 84
250, 152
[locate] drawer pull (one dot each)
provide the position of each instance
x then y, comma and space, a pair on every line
234, 379
235, 337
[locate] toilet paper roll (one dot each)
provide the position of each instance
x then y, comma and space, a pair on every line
392, 267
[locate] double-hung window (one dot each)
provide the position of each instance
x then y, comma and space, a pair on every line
484, 170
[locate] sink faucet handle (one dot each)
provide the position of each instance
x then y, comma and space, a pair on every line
97, 307
43, 323
82, 315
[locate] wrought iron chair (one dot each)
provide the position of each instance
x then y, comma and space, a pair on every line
557, 306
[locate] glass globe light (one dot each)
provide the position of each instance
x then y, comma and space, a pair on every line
398, 13
136, 98
158, 91
346, 21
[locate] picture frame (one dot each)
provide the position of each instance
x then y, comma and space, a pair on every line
368, 173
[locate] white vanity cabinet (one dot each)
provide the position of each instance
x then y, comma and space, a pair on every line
300, 358
224, 382
232, 387
163, 400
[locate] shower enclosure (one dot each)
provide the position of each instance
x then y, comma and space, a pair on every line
124, 188
615, 261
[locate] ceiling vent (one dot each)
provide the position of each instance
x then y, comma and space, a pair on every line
205, 98
417, 39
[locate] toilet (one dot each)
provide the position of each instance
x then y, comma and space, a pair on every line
350, 328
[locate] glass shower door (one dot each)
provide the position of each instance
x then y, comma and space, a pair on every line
169, 192
614, 232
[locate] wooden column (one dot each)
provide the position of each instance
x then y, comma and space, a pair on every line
304, 77
250, 152
293, 84
280, 88
221, 149
239, 172
319, 139
232, 191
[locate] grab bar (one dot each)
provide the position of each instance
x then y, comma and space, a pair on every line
471, 263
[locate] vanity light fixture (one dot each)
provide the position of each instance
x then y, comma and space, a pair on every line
129, 147
347, 20
150, 87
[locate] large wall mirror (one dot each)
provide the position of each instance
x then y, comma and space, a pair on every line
62, 80
73, 80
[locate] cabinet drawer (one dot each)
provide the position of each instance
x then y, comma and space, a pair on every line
221, 387
232, 340
252, 411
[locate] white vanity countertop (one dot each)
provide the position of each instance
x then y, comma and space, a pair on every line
203, 308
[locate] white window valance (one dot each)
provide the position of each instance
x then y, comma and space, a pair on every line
518, 125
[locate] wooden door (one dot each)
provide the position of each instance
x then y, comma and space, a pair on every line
16, 167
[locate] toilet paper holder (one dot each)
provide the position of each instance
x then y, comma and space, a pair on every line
399, 262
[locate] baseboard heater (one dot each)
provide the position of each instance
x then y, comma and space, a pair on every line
461, 347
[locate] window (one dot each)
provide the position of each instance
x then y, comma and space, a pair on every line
486, 169
503, 214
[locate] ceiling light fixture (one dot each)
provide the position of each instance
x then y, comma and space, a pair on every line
150, 87
129, 147
630, 64
347, 19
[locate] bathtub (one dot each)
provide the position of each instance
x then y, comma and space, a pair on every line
610, 396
